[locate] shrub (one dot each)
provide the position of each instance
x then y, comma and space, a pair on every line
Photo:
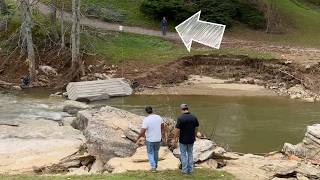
175, 10
315, 2
106, 14
218, 11
251, 16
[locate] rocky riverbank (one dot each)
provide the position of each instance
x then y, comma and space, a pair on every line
101, 140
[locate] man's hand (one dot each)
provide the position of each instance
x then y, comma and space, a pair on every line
139, 141
141, 134
174, 142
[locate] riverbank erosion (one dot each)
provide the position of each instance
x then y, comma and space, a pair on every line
223, 75
231, 76
101, 141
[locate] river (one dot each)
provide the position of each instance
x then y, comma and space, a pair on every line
243, 124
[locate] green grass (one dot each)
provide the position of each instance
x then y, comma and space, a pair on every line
118, 47
303, 29
200, 174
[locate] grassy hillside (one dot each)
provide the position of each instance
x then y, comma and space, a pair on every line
302, 24
301, 21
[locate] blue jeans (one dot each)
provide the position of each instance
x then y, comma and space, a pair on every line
153, 153
186, 157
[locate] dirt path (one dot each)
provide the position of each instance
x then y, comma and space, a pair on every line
305, 56
95, 23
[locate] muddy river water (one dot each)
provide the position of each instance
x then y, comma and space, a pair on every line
243, 124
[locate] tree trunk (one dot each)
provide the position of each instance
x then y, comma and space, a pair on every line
27, 29
23, 39
53, 19
63, 44
75, 35
3, 7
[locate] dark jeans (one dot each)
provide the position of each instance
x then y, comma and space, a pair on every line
164, 30
153, 153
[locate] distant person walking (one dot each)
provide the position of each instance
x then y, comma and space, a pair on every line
152, 129
164, 26
186, 129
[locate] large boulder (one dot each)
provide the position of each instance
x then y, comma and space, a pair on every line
139, 161
106, 131
28, 144
309, 148
203, 149
254, 167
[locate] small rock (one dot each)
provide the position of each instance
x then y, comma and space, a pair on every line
67, 121
209, 164
286, 168
288, 62
99, 76
294, 96
301, 177
219, 152
17, 88
48, 70
309, 99
307, 66
78, 171
72, 107
97, 166
247, 81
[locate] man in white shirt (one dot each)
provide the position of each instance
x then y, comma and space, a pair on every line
152, 129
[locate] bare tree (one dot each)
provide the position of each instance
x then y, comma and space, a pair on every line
53, 19
27, 36
63, 44
75, 38
3, 7
274, 19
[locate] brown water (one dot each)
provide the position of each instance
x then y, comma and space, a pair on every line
243, 124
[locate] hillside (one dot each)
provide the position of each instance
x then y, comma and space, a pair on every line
299, 20
140, 50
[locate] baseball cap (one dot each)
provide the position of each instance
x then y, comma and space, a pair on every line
184, 106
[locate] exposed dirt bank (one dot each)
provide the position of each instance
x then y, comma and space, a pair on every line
239, 75
203, 85
278, 75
